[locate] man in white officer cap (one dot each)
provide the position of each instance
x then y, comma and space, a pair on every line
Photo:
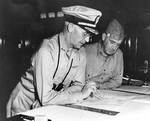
57, 74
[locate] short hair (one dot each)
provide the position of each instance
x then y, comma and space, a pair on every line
115, 29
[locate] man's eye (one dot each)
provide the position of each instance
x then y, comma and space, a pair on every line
112, 42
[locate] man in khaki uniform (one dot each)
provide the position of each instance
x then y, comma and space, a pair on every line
105, 59
57, 74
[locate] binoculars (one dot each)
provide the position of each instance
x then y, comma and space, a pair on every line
58, 87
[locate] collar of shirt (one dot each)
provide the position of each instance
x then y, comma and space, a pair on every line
68, 52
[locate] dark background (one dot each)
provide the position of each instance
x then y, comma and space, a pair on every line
20, 21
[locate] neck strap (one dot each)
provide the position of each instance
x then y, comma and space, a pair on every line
58, 56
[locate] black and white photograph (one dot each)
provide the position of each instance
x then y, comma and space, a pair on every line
74, 60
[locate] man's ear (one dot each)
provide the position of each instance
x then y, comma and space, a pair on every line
70, 27
103, 36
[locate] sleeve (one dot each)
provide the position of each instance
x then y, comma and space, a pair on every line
44, 70
116, 79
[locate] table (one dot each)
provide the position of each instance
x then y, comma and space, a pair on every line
131, 107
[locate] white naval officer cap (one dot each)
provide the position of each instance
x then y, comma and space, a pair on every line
85, 17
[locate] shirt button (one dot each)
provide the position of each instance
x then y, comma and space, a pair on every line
104, 70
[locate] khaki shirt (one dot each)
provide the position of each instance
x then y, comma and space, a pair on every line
40, 77
108, 71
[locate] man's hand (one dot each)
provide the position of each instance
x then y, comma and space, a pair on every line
88, 89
